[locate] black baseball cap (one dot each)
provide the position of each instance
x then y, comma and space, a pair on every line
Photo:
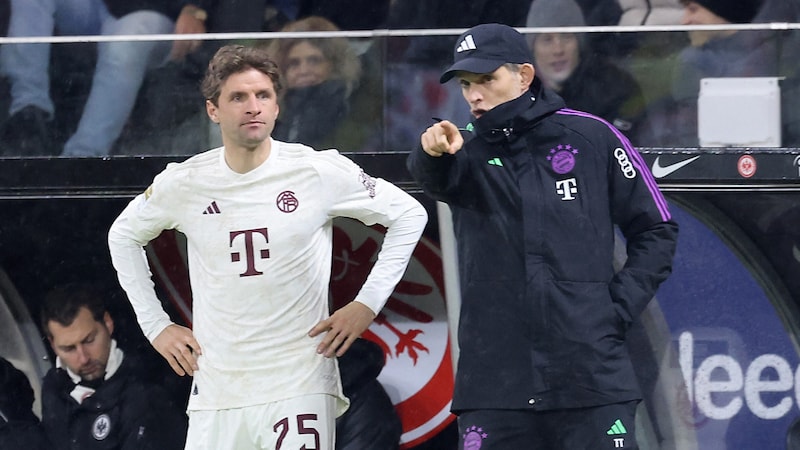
483, 48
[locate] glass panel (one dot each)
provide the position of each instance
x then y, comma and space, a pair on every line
716, 351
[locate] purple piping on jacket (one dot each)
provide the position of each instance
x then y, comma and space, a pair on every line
638, 162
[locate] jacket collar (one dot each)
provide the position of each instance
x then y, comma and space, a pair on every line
508, 121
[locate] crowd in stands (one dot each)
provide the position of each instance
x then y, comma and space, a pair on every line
370, 94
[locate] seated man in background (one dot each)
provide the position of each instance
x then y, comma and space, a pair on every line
118, 73
97, 396
710, 54
586, 81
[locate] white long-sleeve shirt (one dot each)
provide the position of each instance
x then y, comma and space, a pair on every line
259, 252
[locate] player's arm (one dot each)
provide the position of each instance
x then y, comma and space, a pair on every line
405, 219
342, 328
128, 235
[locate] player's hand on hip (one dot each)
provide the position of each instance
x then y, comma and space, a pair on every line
179, 347
343, 328
440, 138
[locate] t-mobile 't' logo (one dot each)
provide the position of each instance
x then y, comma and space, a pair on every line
249, 250
567, 189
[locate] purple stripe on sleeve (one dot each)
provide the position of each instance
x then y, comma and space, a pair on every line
638, 162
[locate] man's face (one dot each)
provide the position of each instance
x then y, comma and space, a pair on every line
306, 66
696, 14
484, 91
556, 56
247, 109
84, 345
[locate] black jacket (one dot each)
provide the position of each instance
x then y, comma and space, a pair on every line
311, 114
534, 194
19, 426
124, 413
371, 422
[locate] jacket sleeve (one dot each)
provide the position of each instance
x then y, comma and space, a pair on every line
641, 212
444, 178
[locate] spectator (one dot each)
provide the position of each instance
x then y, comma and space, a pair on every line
19, 426
566, 63
118, 73
320, 75
710, 53
98, 396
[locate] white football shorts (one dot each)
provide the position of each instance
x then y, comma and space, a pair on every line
290, 424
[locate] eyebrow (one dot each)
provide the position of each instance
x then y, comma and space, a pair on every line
258, 92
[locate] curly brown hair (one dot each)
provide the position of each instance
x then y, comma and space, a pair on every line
232, 59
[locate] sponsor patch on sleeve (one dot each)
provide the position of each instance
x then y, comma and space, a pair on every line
368, 182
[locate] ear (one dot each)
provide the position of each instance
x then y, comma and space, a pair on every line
50, 338
109, 322
526, 74
211, 110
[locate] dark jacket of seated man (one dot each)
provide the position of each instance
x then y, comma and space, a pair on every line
97, 396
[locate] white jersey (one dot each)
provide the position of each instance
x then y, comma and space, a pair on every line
259, 251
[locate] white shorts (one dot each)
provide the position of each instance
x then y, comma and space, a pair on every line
290, 424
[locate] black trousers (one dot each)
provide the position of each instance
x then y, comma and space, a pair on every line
597, 428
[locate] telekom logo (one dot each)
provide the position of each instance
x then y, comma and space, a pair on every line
249, 249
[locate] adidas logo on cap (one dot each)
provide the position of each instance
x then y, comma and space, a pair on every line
484, 48
467, 44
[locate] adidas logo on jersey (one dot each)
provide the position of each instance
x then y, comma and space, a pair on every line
466, 44
212, 208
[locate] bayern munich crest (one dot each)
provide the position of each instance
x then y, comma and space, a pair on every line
562, 158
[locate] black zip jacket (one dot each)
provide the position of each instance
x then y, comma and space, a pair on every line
124, 413
535, 193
